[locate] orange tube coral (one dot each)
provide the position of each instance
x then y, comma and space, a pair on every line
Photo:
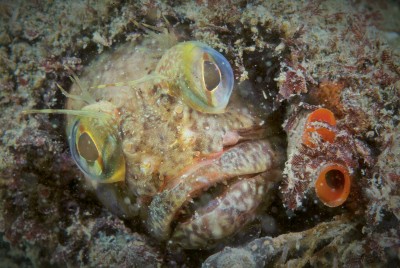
333, 185
320, 160
320, 115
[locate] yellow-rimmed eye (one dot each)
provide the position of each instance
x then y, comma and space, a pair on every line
211, 75
93, 137
96, 148
199, 74
87, 148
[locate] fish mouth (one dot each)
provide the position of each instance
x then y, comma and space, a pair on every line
206, 201
213, 198
218, 211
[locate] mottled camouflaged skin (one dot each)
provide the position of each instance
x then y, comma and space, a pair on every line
228, 212
153, 123
161, 135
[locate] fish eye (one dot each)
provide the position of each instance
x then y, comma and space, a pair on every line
200, 75
211, 75
96, 149
211, 79
86, 148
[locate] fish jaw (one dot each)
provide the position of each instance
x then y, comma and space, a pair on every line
242, 168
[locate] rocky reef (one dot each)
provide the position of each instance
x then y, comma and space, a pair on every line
294, 56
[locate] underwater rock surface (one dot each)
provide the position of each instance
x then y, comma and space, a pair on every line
289, 57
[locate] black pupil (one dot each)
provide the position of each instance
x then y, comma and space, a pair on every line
211, 75
335, 179
86, 148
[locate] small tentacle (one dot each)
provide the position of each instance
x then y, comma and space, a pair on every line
136, 82
84, 113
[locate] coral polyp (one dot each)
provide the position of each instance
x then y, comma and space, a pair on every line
318, 126
322, 158
333, 185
